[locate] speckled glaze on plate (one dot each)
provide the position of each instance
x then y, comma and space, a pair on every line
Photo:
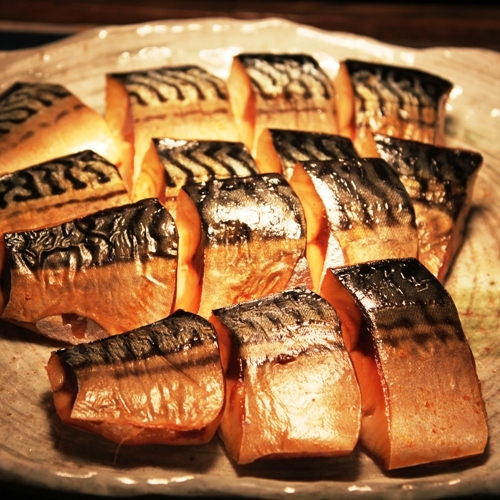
36, 449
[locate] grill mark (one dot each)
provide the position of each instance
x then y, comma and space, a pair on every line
281, 68
442, 174
178, 332
230, 159
137, 231
52, 178
177, 80
23, 100
299, 320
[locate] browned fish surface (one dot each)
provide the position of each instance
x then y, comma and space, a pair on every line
421, 396
279, 150
239, 239
291, 390
160, 383
440, 182
42, 121
287, 91
181, 102
357, 210
169, 164
392, 100
59, 190
102, 274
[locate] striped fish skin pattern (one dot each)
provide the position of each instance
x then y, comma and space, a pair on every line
389, 94
286, 317
295, 146
137, 231
178, 332
241, 209
432, 175
363, 191
187, 83
56, 177
23, 100
294, 76
186, 161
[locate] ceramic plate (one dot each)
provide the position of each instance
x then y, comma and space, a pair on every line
36, 449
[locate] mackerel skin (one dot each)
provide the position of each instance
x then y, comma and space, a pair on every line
91, 270
161, 383
172, 163
288, 91
181, 102
421, 395
252, 239
279, 150
42, 121
440, 182
59, 190
366, 212
291, 390
380, 98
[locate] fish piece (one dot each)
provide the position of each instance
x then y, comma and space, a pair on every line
161, 383
440, 182
287, 91
393, 100
357, 210
421, 395
171, 163
98, 275
291, 390
59, 190
40, 121
239, 239
279, 150
181, 102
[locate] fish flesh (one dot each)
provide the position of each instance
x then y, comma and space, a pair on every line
421, 395
440, 182
180, 102
171, 163
402, 102
286, 91
291, 390
161, 383
357, 210
59, 190
239, 238
279, 150
40, 121
98, 275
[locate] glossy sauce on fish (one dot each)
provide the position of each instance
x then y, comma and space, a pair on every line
421, 395
291, 390
161, 383
98, 275
288, 91
440, 182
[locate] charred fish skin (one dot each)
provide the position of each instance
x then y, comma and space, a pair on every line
292, 146
280, 91
40, 121
122, 255
421, 395
394, 100
52, 191
295, 392
370, 215
440, 182
160, 383
252, 238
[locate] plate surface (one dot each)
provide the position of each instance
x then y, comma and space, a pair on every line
36, 449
